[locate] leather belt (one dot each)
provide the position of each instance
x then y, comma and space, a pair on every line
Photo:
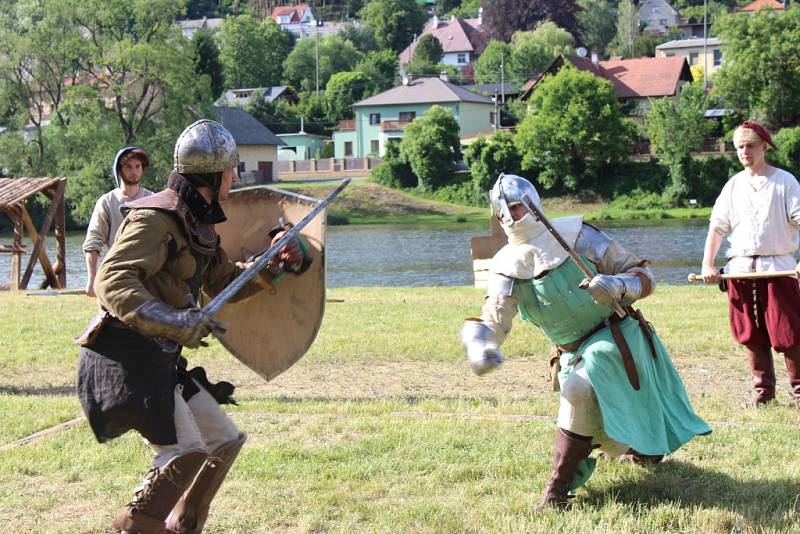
619, 339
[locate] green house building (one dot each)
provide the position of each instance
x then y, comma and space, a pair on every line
381, 119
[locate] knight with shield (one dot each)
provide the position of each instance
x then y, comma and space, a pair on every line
131, 373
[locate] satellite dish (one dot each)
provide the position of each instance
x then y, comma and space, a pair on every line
582, 52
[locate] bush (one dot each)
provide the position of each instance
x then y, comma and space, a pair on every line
788, 154
488, 157
430, 145
638, 199
709, 175
622, 179
392, 171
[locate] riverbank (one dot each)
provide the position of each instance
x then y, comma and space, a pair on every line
365, 202
382, 427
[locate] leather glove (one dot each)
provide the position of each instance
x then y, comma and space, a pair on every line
605, 289
481, 352
186, 327
291, 258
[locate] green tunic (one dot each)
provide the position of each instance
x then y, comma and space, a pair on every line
656, 419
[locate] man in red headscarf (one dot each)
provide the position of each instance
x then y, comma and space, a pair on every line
759, 211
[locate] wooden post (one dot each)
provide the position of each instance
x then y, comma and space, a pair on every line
61, 244
39, 251
16, 259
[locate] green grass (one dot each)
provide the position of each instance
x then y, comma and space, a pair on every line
382, 427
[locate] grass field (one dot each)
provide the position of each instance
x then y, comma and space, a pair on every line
382, 427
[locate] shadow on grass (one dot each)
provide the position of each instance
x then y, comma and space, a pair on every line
44, 391
764, 503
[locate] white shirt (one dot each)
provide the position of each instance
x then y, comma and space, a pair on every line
107, 217
761, 216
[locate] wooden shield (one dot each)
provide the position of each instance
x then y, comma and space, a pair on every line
271, 330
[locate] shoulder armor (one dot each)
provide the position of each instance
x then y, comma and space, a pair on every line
592, 243
499, 285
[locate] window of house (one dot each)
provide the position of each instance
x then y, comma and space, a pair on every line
374, 146
693, 57
669, 54
374, 118
717, 58
348, 148
492, 118
242, 167
407, 115
462, 58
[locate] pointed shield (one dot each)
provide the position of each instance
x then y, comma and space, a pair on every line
271, 330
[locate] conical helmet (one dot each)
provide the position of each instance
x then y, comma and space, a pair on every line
205, 147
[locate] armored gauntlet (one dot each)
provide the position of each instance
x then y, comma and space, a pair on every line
624, 288
479, 347
186, 327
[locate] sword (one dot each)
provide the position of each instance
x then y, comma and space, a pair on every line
537, 213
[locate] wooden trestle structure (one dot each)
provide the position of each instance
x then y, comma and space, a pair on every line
14, 192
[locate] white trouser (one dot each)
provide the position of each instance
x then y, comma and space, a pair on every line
200, 425
579, 412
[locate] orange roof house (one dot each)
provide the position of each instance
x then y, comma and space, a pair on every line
758, 5
291, 14
633, 79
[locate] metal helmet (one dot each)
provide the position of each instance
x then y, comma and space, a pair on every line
507, 191
205, 147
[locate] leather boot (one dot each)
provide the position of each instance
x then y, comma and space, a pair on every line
792, 359
760, 359
190, 513
162, 488
569, 451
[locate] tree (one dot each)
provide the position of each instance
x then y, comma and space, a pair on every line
531, 52
575, 132
497, 54
676, 129
206, 60
443, 7
627, 29
597, 24
380, 67
393, 171
362, 37
504, 17
395, 22
488, 157
428, 50
279, 115
760, 74
252, 53
342, 91
335, 55
430, 146
197, 9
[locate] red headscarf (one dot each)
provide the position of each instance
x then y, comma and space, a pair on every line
760, 131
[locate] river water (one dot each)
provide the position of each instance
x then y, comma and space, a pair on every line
421, 255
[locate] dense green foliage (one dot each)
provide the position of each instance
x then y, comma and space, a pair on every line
788, 153
533, 51
393, 171
431, 146
252, 52
597, 24
342, 91
676, 129
488, 157
206, 60
761, 65
575, 132
335, 55
395, 22
380, 67
496, 56
627, 29
505, 17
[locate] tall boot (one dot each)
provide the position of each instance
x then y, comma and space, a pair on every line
190, 513
162, 488
569, 451
760, 360
792, 359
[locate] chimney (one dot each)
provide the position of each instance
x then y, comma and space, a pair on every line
443, 76
480, 16
595, 59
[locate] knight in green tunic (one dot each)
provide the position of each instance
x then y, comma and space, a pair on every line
619, 389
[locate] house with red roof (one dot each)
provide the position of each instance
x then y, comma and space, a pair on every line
462, 40
292, 15
635, 81
758, 5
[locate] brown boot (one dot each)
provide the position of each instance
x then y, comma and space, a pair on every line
146, 513
760, 360
569, 451
190, 513
792, 359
